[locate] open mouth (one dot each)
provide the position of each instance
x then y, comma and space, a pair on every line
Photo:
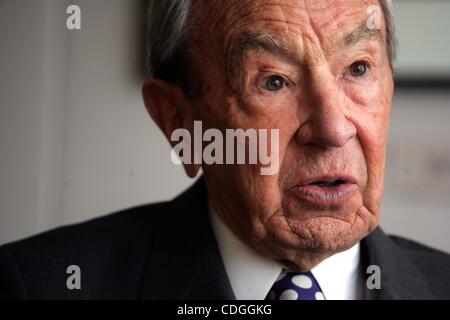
325, 190
322, 183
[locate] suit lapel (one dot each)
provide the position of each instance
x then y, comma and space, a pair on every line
400, 278
185, 262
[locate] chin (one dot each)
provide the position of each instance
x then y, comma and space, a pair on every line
324, 232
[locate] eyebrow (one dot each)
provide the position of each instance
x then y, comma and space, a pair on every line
361, 33
259, 41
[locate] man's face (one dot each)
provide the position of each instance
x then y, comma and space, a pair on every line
313, 70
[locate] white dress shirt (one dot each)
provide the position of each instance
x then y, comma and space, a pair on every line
252, 275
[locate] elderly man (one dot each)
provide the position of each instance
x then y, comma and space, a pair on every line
319, 72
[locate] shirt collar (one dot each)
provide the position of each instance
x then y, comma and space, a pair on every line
251, 275
339, 275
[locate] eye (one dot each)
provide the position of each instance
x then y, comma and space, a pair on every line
358, 69
273, 83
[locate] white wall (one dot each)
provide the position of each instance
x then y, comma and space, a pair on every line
115, 155
417, 189
32, 118
423, 29
76, 141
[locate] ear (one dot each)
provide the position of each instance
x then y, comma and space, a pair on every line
171, 110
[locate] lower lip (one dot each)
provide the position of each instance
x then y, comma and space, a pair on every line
325, 195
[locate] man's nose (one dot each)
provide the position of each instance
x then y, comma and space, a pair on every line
327, 124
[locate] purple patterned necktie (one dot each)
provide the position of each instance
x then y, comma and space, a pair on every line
296, 286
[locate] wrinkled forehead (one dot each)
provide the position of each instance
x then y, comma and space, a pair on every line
319, 22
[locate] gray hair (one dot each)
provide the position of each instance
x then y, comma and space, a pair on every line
391, 37
167, 34
168, 31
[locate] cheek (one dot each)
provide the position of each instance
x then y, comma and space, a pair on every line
372, 130
369, 111
278, 111
370, 114
261, 194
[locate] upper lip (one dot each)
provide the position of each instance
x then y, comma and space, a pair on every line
327, 179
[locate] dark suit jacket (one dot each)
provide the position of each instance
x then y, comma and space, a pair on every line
168, 251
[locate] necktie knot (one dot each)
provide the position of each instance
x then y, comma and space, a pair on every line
296, 286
